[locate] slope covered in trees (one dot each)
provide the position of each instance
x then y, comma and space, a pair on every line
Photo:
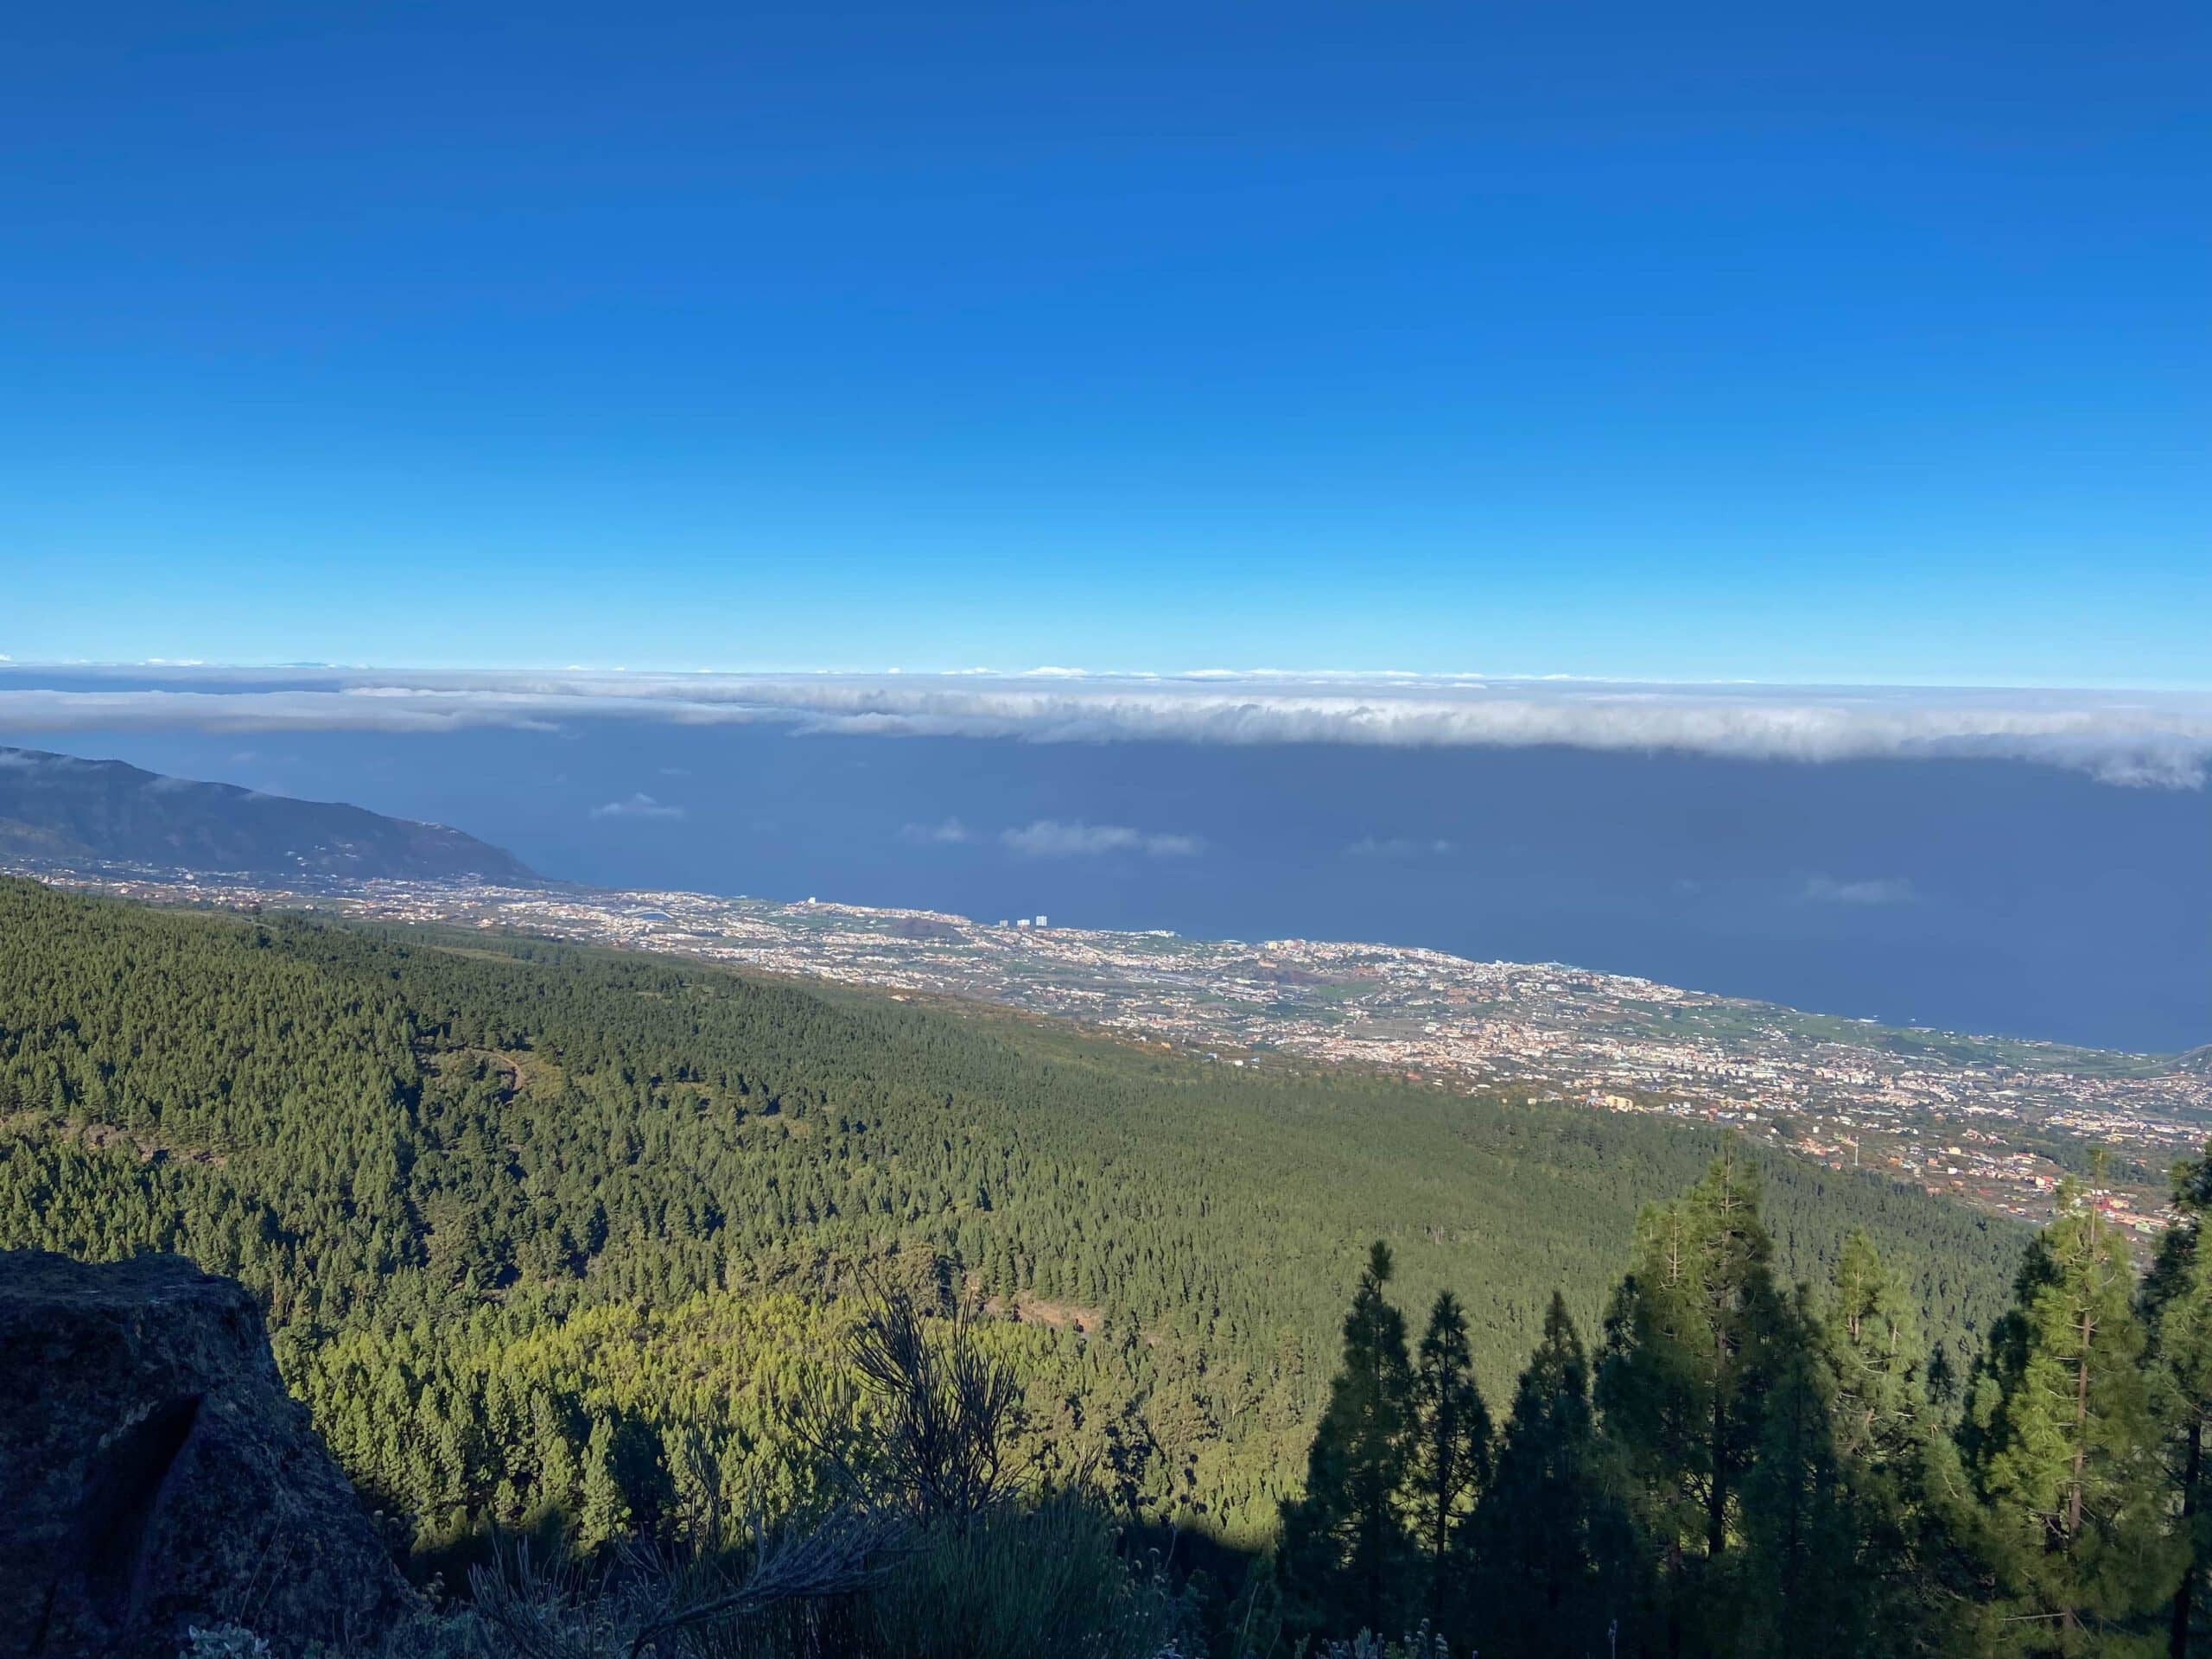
548, 1227
63, 809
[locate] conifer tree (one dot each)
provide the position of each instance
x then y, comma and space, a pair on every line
2064, 1449
1450, 1459
602, 1509
1899, 1468
1801, 1593
1871, 1340
1942, 1378
1541, 1529
1679, 1388
1343, 1542
2176, 1309
1679, 1383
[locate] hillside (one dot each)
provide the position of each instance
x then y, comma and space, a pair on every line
59, 809
2009, 1117
507, 1199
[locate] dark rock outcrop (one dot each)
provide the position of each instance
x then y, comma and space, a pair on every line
154, 1474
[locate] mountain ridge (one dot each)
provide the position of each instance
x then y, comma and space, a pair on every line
62, 807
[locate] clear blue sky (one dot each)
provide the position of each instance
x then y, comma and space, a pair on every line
1842, 343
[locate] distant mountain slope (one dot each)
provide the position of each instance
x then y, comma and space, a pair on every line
60, 808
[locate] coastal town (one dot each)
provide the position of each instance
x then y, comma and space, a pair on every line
1995, 1123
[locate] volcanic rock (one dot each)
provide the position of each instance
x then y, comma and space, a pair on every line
155, 1475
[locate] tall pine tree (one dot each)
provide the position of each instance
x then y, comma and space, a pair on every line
1898, 1466
1677, 1381
2064, 1449
1680, 1380
1800, 1591
2176, 1309
1546, 1522
1344, 1546
1450, 1459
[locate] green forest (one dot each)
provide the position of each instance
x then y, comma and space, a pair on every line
1737, 1466
568, 1239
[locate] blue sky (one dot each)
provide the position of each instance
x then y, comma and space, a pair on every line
1865, 344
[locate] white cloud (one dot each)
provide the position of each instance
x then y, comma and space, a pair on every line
639, 805
1882, 890
1050, 838
1399, 846
2137, 739
949, 833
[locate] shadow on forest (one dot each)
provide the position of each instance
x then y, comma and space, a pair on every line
1018, 1577
935, 1538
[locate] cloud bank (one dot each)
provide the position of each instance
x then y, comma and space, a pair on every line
2144, 739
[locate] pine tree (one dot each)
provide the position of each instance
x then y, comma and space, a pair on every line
557, 1473
1899, 1469
1801, 1593
2064, 1449
1343, 1542
1450, 1460
602, 1508
1942, 1378
1679, 1383
1871, 1339
2176, 1310
1540, 1530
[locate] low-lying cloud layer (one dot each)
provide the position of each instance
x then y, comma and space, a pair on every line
2142, 738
